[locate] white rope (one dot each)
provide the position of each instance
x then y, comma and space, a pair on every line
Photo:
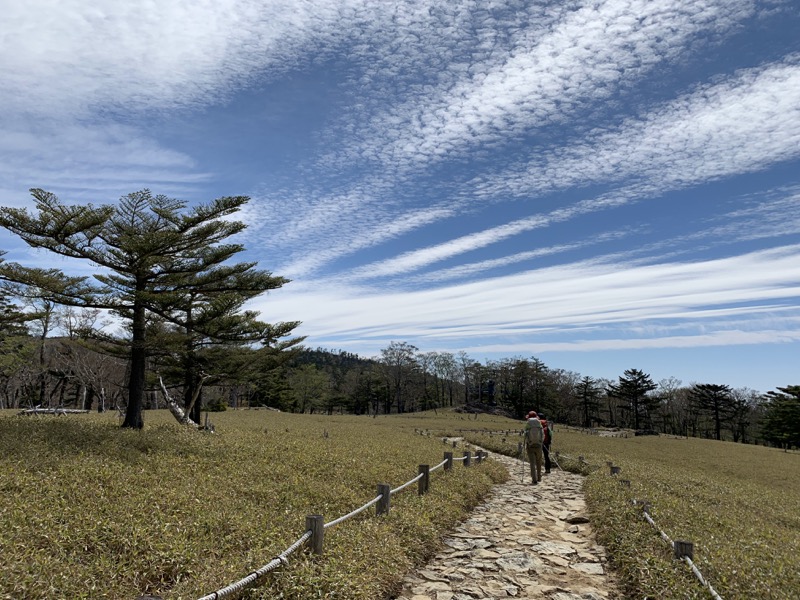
439, 466
686, 559
354, 513
699, 576
460, 458
270, 566
407, 483
663, 535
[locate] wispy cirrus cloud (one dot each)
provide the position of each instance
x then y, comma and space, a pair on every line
501, 90
581, 55
556, 299
733, 127
69, 57
80, 79
739, 125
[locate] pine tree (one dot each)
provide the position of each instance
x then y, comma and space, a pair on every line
781, 424
633, 389
717, 400
153, 251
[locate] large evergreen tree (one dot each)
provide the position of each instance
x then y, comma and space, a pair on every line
588, 395
152, 251
633, 389
781, 424
716, 400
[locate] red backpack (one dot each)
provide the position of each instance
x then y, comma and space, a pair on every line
546, 428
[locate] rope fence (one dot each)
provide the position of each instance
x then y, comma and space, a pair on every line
682, 550
315, 525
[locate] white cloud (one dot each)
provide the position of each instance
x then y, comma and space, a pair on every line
700, 340
736, 126
562, 65
569, 62
539, 306
70, 56
740, 125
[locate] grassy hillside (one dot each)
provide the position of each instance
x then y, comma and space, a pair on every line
739, 504
91, 511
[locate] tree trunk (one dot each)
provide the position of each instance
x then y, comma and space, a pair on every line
133, 412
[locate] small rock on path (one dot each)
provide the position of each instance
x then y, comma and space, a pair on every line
524, 541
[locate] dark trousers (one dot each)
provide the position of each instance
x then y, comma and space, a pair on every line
547, 458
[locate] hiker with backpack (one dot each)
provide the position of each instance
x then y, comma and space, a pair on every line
548, 439
534, 441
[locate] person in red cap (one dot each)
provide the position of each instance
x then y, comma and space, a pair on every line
534, 440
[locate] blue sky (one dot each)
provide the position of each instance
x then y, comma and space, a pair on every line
602, 185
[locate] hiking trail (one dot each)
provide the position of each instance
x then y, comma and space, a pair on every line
523, 541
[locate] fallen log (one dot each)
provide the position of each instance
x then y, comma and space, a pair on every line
52, 411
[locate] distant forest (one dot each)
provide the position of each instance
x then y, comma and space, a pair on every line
78, 373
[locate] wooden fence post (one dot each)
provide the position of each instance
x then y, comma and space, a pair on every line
316, 524
448, 456
385, 492
683, 548
467, 458
616, 470
424, 481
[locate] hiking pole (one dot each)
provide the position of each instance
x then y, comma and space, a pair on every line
522, 462
553, 459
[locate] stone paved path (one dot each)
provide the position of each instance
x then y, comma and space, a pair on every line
524, 541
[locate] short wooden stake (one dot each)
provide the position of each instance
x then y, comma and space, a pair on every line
478, 457
424, 481
455, 443
683, 548
385, 492
448, 457
467, 458
616, 470
581, 459
316, 524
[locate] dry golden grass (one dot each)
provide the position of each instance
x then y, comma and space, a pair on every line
91, 511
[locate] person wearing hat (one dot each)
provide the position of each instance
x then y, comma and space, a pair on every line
534, 439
